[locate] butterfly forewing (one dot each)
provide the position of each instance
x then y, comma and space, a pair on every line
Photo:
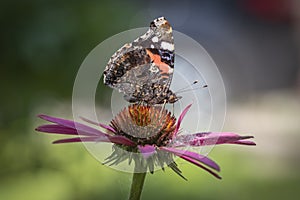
143, 69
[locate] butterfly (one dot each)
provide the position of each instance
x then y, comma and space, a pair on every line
143, 69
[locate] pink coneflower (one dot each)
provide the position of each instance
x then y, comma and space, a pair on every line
149, 136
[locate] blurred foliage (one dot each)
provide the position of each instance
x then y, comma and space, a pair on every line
43, 43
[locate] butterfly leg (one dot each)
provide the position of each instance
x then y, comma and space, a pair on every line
173, 109
163, 107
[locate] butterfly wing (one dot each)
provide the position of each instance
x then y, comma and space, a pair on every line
143, 69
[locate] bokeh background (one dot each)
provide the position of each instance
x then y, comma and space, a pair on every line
255, 44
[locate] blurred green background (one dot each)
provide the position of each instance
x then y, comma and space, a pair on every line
254, 43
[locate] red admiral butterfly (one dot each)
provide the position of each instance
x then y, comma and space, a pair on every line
143, 69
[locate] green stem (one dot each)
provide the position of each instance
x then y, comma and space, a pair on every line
137, 184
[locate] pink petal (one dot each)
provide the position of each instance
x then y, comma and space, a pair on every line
147, 150
181, 118
79, 139
58, 129
111, 129
112, 139
244, 142
75, 125
199, 165
195, 156
212, 138
118, 139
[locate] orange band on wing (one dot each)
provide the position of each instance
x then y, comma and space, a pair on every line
157, 61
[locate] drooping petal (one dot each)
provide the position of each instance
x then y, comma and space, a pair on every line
109, 128
59, 129
77, 139
195, 156
75, 125
201, 166
147, 150
112, 139
212, 138
180, 118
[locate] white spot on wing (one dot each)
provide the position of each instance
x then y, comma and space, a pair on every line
155, 39
168, 46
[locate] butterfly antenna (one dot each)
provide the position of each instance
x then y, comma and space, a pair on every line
187, 90
186, 87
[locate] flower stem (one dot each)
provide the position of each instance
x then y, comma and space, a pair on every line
137, 184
